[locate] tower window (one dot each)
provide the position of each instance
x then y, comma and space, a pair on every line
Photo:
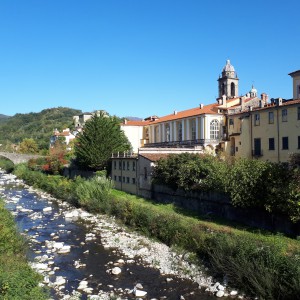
232, 89
298, 112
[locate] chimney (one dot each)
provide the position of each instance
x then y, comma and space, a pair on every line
261, 103
224, 100
201, 106
125, 121
175, 112
264, 98
278, 101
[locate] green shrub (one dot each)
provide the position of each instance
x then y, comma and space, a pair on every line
6, 165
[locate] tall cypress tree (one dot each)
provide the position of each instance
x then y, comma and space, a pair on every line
101, 137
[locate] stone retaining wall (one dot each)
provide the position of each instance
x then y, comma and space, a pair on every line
212, 203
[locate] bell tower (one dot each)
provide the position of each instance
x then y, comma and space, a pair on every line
228, 82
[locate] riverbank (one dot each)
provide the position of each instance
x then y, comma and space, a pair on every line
17, 280
263, 265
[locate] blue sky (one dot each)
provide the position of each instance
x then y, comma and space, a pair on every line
142, 57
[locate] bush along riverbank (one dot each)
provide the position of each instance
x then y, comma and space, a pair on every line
17, 280
263, 265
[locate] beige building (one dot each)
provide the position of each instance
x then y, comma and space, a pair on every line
124, 172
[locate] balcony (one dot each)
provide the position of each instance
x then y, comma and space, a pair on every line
182, 144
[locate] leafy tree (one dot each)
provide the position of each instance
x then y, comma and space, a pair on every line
28, 146
100, 138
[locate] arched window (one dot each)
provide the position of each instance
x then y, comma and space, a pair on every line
214, 130
232, 89
223, 89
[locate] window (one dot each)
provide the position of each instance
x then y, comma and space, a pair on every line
231, 122
123, 179
256, 119
115, 164
133, 166
145, 173
257, 147
180, 132
271, 144
128, 166
214, 130
115, 178
123, 165
167, 133
120, 165
193, 129
271, 117
133, 180
120, 178
285, 143
284, 115
298, 142
127, 180
298, 113
232, 86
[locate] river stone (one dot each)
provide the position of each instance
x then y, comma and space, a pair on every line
221, 287
60, 280
47, 209
116, 271
64, 249
220, 294
82, 285
233, 293
139, 293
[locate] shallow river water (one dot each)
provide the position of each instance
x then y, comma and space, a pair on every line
73, 258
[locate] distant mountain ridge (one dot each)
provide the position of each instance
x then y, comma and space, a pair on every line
3, 116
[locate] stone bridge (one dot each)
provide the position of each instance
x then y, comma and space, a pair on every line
18, 158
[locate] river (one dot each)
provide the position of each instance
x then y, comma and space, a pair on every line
80, 255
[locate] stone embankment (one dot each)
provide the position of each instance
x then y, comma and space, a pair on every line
133, 247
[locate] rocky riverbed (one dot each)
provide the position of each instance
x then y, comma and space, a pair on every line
85, 256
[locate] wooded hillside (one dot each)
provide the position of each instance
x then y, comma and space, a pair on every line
38, 126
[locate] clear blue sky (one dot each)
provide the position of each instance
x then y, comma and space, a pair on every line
142, 57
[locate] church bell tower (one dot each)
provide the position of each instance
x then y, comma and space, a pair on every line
228, 82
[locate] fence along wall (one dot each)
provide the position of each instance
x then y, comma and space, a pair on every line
212, 203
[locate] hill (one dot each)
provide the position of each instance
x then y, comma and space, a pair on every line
38, 126
3, 117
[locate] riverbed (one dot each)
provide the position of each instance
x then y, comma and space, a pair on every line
85, 256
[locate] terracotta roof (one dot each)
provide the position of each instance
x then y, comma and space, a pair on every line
155, 156
135, 123
207, 109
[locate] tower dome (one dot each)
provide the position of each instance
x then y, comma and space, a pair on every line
228, 67
253, 91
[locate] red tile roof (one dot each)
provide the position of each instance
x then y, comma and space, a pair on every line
135, 123
207, 109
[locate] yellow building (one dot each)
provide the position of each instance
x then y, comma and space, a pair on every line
266, 131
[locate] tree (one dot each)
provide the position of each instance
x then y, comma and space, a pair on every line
28, 146
101, 137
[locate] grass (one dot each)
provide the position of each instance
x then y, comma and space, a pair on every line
17, 280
